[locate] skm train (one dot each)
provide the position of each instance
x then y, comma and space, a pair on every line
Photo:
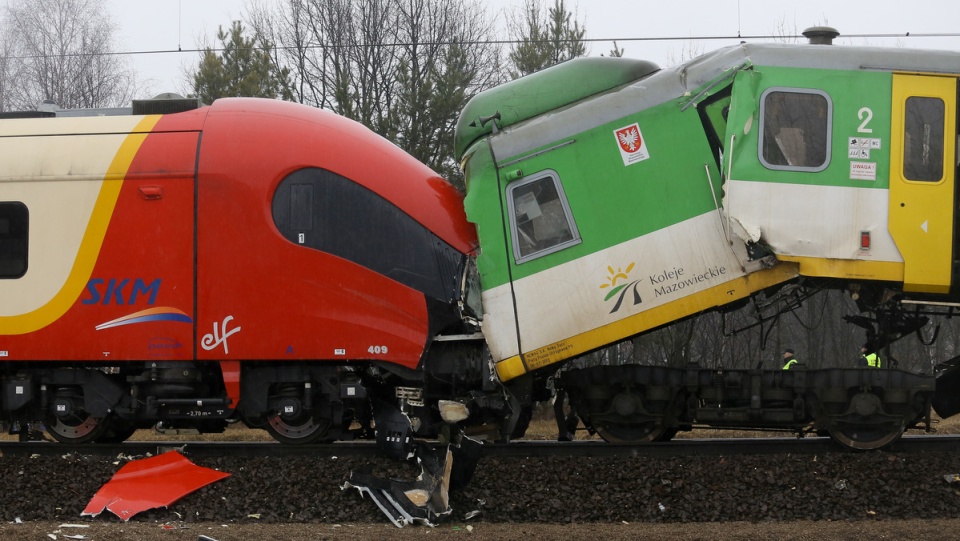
280, 265
253, 260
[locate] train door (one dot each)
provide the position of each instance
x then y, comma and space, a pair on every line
922, 177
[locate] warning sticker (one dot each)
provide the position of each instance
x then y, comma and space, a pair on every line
863, 171
633, 148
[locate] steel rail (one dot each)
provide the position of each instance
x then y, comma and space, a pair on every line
522, 448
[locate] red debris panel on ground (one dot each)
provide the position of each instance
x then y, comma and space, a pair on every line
150, 483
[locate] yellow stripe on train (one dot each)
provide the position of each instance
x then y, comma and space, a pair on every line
18, 320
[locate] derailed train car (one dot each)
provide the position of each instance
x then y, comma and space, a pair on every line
253, 260
612, 197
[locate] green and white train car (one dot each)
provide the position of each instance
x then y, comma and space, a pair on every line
612, 197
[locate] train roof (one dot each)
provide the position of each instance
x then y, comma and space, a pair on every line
678, 82
543, 91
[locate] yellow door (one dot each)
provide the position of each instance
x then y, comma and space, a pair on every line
922, 168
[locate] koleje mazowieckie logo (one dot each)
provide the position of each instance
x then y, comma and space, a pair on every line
620, 291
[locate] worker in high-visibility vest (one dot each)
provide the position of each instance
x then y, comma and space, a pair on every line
868, 357
788, 359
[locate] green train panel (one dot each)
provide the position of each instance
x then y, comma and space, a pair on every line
611, 197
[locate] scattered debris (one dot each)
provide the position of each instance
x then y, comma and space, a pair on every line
841, 484
150, 483
952, 477
427, 499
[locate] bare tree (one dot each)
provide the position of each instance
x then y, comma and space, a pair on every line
58, 50
6, 70
404, 68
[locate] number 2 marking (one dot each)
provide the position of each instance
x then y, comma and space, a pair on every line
866, 115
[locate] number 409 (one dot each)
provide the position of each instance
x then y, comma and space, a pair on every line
377, 350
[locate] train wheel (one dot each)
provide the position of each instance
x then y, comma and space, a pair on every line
634, 432
291, 420
68, 422
301, 429
865, 438
865, 425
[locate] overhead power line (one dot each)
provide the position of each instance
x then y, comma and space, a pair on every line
760, 37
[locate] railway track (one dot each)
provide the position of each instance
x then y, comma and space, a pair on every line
525, 448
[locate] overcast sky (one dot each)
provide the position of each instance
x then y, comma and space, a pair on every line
171, 24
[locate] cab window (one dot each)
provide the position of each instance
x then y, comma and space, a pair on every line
795, 129
540, 217
14, 221
923, 139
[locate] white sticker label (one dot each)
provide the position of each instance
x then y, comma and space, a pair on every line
633, 147
3, 353
18, 390
339, 352
863, 171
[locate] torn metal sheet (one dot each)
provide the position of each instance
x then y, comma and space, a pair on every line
150, 483
426, 499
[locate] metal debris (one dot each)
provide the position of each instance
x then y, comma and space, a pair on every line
426, 499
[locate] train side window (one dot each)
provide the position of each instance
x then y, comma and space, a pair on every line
795, 129
321, 210
923, 139
14, 229
540, 217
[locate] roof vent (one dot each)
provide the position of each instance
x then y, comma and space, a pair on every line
821, 35
164, 104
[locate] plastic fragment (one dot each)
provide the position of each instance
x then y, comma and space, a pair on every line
149, 483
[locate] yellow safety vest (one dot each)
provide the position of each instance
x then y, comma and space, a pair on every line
873, 360
791, 362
